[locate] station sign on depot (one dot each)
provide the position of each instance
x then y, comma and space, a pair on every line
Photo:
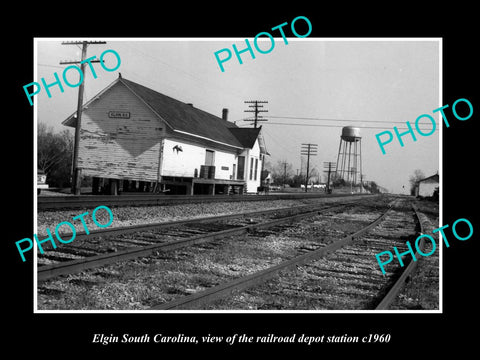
225, 54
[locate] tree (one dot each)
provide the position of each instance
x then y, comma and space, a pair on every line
414, 179
337, 180
297, 180
314, 176
54, 155
281, 172
372, 187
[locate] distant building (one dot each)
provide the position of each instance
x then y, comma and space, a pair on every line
133, 138
266, 177
426, 187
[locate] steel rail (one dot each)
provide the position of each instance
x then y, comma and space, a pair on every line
81, 235
245, 282
86, 201
409, 269
72, 266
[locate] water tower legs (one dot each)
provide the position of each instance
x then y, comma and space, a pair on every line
349, 161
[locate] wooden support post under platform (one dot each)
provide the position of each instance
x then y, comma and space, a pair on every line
211, 189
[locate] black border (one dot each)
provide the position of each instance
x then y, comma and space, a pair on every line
411, 333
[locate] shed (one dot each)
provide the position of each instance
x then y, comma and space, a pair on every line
427, 187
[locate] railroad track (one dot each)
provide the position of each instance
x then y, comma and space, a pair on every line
280, 262
87, 201
107, 246
342, 274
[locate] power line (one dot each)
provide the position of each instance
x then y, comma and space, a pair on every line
53, 66
279, 142
256, 110
340, 126
331, 119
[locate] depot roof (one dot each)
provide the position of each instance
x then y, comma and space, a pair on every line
183, 117
431, 179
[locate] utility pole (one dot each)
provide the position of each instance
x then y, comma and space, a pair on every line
77, 172
309, 150
331, 167
256, 110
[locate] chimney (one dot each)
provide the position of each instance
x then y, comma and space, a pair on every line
224, 114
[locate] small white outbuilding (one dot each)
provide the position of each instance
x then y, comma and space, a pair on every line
426, 187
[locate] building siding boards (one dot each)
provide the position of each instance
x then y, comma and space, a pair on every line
253, 184
223, 165
251, 156
426, 187
183, 163
120, 148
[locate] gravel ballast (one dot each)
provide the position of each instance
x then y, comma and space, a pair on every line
127, 216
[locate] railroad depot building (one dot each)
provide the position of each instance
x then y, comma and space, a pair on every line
134, 138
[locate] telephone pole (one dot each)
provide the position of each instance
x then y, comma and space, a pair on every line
309, 150
284, 173
331, 167
256, 110
77, 172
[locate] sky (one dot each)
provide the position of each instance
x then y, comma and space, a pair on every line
373, 84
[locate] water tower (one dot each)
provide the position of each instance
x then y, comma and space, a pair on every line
349, 161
